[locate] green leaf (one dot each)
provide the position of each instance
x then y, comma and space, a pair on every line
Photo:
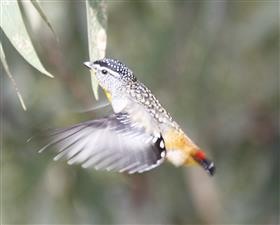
97, 38
39, 9
6, 68
13, 26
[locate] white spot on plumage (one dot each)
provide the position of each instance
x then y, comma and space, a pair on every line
161, 144
176, 157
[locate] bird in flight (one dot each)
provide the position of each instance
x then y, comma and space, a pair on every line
139, 136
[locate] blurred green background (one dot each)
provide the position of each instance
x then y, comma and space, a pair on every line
214, 65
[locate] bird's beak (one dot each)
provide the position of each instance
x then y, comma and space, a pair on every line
88, 64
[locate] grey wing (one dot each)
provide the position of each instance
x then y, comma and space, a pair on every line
113, 143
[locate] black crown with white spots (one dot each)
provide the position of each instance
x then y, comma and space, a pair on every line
117, 66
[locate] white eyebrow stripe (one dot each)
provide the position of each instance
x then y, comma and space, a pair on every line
96, 66
112, 72
115, 74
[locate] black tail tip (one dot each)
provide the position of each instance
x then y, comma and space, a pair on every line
200, 157
211, 169
209, 166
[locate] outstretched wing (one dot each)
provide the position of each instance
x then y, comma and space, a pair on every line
114, 143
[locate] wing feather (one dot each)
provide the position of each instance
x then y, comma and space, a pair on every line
114, 143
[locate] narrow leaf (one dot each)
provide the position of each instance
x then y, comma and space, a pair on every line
6, 68
97, 38
39, 9
14, 28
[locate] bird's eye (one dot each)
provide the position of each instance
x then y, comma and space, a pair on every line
104, 72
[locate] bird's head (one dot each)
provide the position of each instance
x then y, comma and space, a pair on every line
111, 74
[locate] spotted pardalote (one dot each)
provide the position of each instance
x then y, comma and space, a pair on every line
139, 136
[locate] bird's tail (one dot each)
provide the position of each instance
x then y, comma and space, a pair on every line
190, 153
200, 157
